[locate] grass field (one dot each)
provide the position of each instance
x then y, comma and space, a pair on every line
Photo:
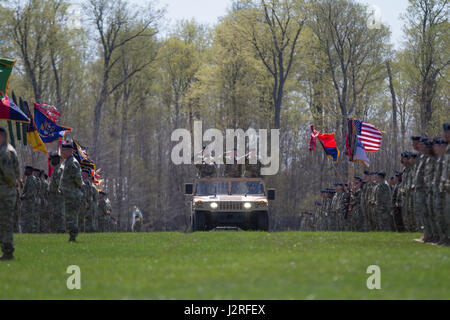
226, 265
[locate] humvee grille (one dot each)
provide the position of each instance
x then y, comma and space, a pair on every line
230, 206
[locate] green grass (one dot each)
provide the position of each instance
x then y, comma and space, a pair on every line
226, 265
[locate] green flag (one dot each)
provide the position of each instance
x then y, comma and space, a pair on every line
6, 66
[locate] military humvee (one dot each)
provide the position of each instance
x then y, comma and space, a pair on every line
229, 202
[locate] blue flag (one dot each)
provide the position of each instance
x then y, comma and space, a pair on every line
48, 130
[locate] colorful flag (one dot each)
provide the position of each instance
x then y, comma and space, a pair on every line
82, 157
360, 154
33, 136
10, 111
369, 135
6, 66
328, 142
50, 112
47, 128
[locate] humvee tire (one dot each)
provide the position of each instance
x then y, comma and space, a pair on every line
198, 221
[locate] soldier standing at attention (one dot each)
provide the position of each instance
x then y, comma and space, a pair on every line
420, 197
105, 211
397, 203
252, 170
356, 216
440, 145
383, 202
232, 168
28, 209
85, 199
56, 200
307, 223
430, 166
44, 218
91, 220
444, 186
38, 198
9, 174
70, 187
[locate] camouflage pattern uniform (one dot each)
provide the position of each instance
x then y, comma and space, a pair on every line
91, 214
371, 218
382, 210
407, 199
357, 219
105, 223
439, 198
9, 173
86, 199
252, 170
70, 187
430, 166
420, 207
44, 215
340, 207
397, 208
444, 189
29, 215
307, 223
56, 201
17, 213
37, 203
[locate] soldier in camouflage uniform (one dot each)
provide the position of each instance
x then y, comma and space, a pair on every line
56, 200
444, 189
9, 174
17, 211
38, 199
252, 170
337, 207
356, 217
91, 215
438, 197
232, 168
105, 211
420, 197
397, 203
371, 222
321, 221
430, 167
44, 214
307, 223
404, 193
29, 214
382, 204
364, 205
86, 199
70, 187
207, 168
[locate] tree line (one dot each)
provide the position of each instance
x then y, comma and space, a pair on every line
124, 81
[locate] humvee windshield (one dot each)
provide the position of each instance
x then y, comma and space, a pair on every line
247, 187
206, 188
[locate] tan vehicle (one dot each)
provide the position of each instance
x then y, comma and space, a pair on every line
229, 202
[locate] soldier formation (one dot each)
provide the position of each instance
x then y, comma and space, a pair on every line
209, 169
415, 200
68, 201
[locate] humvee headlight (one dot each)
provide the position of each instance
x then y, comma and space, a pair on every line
247, 205
214, 205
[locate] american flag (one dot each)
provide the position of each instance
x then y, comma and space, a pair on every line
369, 135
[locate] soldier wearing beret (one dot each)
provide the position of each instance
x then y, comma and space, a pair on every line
382, 203
9, 174
105, 213
444, 187
56, 200
70, 188
29, 215
438, 196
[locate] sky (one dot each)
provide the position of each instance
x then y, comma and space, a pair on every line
208, 12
